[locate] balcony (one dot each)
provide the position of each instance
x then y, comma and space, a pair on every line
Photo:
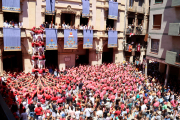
129, 30
136, 31
132, 9
174, 29
175, 3
60, 33
173, 57
134, 47
141, 31
140, 10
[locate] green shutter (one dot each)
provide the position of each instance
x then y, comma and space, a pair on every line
171, 57
174, 29
175, 3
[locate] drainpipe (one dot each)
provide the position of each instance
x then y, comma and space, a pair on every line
124, 33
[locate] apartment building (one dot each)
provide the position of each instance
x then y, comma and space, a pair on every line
163, 39
137, 17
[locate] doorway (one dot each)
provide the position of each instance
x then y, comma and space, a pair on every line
68, 19
12, 61
84, 21
82, 56
51, 59
109, 23
107, 55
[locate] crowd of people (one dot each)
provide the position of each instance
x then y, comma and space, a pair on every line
105, 92
12, 24
66, 26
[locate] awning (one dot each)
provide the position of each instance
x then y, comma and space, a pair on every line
11, 6
12, 39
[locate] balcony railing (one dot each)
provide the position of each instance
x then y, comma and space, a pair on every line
129, 30
131, 9
174, 29
175, 3
140, 31
173, 57
134, 47
60, 33
140, 10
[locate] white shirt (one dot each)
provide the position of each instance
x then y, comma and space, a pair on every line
15, 25
87, 111
77, 113
143, 107
24, 116
99, 113
5, 24
92, 99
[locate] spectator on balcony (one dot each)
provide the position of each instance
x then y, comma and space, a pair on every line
10, 25
85, 27
63, 25
20, 24
56, 26
5, 24
81, 27
67, 26
51, 25
15, 25
47, 25
59, 27
43, 25
77, 27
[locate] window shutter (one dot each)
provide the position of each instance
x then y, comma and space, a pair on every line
174, 29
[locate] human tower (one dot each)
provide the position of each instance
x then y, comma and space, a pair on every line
38, 55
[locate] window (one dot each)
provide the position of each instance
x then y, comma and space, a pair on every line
158, 1
157, 21
68, 19
84, 21
49, 18
109, 23
154, 45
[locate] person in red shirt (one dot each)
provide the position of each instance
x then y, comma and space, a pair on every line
118, 112
38, 110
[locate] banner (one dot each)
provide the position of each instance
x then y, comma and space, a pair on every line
11, 6
51, 39
88, 39
12, 39
50, 6
70, 39
113, 10
112, 39
85, 4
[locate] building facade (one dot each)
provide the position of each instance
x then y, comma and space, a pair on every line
137, 17
163, 39
33, 13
